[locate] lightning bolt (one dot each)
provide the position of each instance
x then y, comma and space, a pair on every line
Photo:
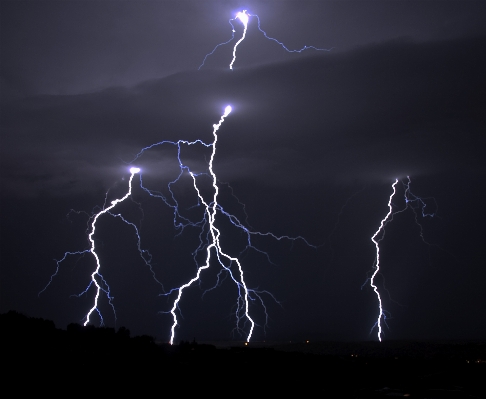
244, 17
377, 265
215, 234
413, 202
209, 241
97, 278
213, 245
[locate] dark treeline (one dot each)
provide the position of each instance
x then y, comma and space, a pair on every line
36, 356
39, 337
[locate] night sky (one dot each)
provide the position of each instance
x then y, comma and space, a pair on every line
311, 149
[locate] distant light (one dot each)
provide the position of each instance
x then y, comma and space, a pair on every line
227, 110
134, 170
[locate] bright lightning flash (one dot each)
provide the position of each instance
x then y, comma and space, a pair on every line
413, 202
97, 278
210, 240
133, 171
244, 18
214, 243
377, 266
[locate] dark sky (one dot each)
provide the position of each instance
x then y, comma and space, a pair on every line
312, 147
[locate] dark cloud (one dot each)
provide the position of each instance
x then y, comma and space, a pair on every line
383, 111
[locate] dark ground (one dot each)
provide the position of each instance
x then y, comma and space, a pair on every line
37, 357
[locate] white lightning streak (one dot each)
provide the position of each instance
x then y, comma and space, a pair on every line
243, 17
133, 171
377, 267
215, 234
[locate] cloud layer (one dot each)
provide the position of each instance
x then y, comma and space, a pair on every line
379, 112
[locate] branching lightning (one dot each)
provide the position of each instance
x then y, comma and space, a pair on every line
209, 241
214, 242
97, 278
413, 202
209, 232
244, 18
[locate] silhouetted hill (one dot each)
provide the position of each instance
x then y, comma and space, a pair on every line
97, 360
